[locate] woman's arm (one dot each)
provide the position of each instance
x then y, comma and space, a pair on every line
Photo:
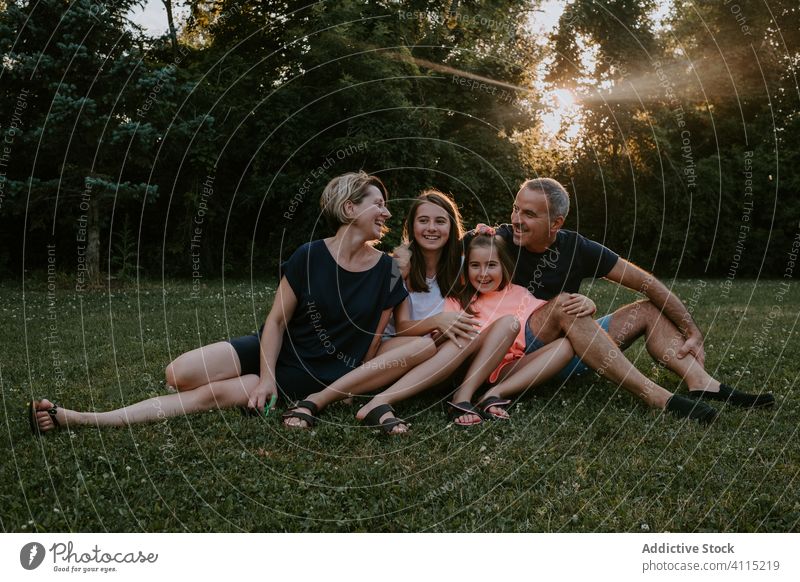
376, 341
453, 325
271, 340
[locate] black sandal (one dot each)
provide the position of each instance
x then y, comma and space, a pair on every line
493, 402
462, 408
33, 408
311, 419
373, 420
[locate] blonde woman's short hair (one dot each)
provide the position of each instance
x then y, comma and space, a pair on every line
352, 186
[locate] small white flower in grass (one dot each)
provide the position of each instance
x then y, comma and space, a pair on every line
644, 527
127, 468
483, 448
750, 450
574, 518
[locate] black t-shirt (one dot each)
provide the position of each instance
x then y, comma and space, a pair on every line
337, 311
562, 267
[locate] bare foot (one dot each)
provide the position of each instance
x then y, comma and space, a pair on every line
302, 415
467, 419
498, 412
464, 414
295, 422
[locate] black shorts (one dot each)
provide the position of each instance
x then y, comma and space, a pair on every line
293, 384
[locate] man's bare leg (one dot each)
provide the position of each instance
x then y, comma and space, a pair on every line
596, 348
663, 340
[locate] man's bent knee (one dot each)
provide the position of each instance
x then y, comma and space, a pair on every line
557, 312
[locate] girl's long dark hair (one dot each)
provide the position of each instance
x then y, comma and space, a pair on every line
449, 267
467, 293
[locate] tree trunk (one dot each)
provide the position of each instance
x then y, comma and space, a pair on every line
93, 243
171, 23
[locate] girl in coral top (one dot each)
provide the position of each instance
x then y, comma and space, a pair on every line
491, 297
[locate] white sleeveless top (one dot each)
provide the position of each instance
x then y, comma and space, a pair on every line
423, 305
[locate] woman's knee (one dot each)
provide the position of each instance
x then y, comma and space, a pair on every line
178, 376
171, 375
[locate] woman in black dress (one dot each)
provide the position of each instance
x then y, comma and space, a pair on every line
324, 329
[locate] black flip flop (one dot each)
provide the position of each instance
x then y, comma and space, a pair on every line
311, 419
373, 420
493, 401
462, 408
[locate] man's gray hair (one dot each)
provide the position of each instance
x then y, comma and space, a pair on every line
556, 194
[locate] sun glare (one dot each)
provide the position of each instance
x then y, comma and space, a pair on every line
561, 115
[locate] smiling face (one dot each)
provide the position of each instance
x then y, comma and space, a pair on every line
370, 214
431, 227
533, 228
484, 269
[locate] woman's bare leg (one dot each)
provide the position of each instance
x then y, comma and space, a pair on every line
394, 358
531, 370
201, 366
223, 394
206, 378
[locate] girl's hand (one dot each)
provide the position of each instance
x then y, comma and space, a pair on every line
457, 326
261, 395
402, 255
579, 305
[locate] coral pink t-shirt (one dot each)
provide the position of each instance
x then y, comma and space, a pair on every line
489, 307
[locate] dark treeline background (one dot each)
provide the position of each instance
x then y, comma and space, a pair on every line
205, 151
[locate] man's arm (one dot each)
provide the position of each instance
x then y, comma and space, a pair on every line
629, 275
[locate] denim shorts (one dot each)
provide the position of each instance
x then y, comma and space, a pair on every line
575, 367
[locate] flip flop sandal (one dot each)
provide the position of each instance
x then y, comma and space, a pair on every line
33, 408
493, 402
311, 419
373, 420
462, 408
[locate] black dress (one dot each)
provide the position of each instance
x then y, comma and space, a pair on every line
333, 324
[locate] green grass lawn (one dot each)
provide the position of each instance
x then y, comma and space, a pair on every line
582, 457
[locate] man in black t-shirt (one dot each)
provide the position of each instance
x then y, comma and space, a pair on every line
552, 262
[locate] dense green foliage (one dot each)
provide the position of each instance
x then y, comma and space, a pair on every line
131, 154
583, 457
